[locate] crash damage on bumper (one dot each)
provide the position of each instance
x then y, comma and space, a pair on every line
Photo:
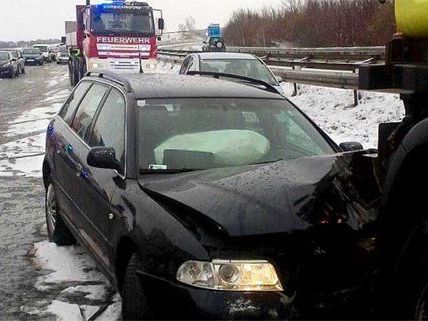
313, 219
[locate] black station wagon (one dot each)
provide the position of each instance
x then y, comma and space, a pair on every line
202, 198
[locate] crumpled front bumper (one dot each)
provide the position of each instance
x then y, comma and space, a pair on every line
175, 301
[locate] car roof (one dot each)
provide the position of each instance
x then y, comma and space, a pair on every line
147, 86
225, 55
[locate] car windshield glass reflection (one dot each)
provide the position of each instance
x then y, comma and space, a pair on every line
128, 23
4, 56
30, 51
252, 68
184, 134
42, 48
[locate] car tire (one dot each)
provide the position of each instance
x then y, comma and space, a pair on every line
134, 301
12, 75
58, 232
23, 70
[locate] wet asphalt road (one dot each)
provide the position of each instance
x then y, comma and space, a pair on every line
22, 199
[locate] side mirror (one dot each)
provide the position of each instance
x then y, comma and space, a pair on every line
103, 157
161, 24
279, 79
351, 146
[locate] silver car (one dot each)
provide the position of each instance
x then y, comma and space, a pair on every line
240, 64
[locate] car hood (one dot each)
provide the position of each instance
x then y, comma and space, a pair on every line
278, 197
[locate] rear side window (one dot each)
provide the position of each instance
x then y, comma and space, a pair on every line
87, 109
109, 128
70, 106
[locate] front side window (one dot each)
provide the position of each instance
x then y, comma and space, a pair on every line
87, 109
67, 112
109, 128
199, 133
252, 68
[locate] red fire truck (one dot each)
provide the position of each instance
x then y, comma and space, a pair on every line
118, 36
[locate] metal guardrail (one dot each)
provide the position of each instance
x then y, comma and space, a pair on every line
335, 67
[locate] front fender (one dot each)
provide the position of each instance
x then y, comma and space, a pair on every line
163, 242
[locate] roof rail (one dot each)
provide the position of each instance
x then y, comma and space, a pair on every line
112, 77
268, 86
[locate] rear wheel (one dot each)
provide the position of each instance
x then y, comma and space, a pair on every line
58, 232
134, 301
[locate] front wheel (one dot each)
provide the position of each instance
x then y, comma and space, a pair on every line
58, 232
134, 301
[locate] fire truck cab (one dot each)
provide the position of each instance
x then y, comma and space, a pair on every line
119, 36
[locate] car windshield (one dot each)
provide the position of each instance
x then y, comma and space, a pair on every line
62, 50
203, 133
30, 51
252, 68
123, 23
4, 56
42, 48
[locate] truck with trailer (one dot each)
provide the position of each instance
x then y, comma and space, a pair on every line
118, 36
401, 167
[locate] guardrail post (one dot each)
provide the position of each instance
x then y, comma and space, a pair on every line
356, 100
294, 86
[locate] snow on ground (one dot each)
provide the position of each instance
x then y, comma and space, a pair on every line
81, 288
24, 156
333, 110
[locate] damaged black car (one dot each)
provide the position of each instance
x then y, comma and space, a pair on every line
206, 199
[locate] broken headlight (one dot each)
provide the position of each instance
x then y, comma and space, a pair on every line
225, 275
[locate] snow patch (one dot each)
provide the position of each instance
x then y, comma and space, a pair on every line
333, 110
68, 264
65, 311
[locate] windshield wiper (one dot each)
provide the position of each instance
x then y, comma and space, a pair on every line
144, 171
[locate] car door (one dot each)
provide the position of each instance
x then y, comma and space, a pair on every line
75, 149
97, 186
64, 157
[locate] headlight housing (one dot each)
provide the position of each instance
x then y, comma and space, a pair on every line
225, 275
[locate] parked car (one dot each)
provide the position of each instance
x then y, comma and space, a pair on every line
62, 55
46, 52
17, 54
218, 199
240, 64
8, 65
214, 44
33, 56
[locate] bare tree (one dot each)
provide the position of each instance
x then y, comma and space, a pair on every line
314, 23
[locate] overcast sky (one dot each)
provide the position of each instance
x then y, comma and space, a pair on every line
42, 19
